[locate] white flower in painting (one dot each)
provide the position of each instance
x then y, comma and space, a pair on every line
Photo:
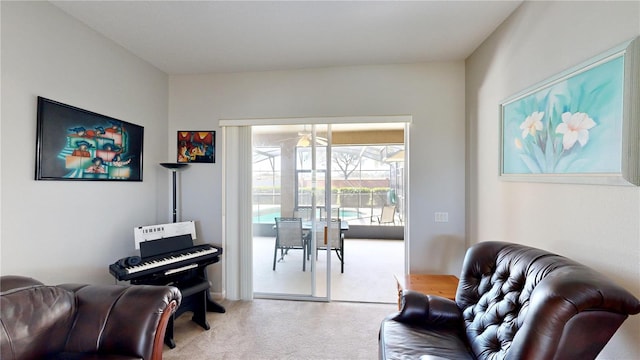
575, 127
532, 124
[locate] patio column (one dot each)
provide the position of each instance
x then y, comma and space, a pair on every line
288, 180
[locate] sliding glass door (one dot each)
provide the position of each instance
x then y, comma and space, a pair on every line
310, 186
291, 173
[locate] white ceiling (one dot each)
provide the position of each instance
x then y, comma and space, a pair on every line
191, 37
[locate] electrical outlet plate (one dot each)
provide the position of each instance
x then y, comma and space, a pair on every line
441, 217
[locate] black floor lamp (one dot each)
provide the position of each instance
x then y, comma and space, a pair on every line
174, 167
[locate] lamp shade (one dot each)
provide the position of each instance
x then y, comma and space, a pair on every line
174, 166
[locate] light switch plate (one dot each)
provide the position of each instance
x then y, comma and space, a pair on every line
441, 217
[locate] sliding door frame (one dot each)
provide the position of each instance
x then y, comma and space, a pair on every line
237, 234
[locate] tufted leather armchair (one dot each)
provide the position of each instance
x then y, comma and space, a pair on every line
512, 302
76, 321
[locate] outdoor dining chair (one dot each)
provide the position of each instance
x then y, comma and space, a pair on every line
289, 236
330, 237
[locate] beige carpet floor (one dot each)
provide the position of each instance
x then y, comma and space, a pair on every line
281, 329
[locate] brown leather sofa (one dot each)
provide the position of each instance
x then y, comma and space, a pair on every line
73, 321
512, 302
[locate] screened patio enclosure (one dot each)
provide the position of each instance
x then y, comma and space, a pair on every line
367, 184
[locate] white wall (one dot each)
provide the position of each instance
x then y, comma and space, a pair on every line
49, 232
65, 231
596, 225
432, 93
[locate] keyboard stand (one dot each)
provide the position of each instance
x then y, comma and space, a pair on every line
213, 306
194, 286
194, 298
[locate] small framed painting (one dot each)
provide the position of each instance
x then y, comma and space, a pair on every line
196, 147
581, 126
76, 144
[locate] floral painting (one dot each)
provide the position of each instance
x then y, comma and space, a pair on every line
569, 126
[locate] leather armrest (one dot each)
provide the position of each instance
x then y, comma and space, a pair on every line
117, 319
428, 310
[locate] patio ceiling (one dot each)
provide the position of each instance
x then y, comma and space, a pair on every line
382, 153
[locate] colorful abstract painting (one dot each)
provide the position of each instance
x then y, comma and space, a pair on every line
196, 146
76, 144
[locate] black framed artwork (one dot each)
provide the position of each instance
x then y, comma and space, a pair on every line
77, 144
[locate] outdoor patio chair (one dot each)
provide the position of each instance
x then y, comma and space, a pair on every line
303, 212
388, 215
335, 213
289, 236
329, 237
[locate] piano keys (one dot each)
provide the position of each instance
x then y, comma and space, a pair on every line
168, 263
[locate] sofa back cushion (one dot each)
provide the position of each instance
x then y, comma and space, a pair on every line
9, 282
34, 321
517, 301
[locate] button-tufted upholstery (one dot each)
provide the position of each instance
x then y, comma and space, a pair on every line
512, 302
73, 321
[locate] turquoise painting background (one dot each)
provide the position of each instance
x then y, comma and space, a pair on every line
597, 92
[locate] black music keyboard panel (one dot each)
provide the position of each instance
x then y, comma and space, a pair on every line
168, 264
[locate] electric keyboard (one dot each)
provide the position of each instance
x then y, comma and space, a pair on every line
168, 263
174, 261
